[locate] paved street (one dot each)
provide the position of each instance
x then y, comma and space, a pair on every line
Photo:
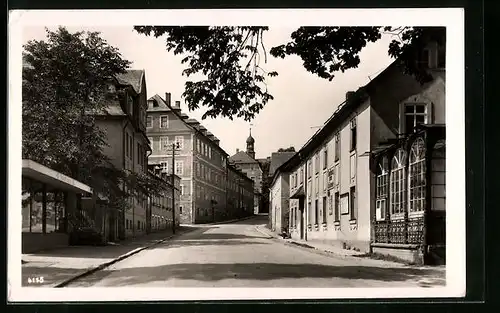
238, 255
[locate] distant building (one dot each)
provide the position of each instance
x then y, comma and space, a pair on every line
279, 192
245, 161
200, 162
160, 215
240, 193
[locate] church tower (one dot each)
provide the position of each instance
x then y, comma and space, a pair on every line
250, 145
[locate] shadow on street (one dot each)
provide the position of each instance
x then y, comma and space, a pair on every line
263, 271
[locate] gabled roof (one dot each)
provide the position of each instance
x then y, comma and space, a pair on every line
162, 105
277, 159
132, 78
242, 157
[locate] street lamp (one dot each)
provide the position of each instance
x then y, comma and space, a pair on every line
175, 147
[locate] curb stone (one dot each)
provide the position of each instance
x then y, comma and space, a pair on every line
116, 260
292, 243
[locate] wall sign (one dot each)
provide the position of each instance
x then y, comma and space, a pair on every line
344, 203
330, 178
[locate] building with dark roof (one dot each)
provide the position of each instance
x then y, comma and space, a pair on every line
199, 161
245, 161
124, 122
372, 178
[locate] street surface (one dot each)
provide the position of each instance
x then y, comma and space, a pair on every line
238, 255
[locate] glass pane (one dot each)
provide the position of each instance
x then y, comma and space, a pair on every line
420, 108
419, 119
409, 122
409, 109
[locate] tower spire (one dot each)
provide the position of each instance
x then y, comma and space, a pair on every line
250, 144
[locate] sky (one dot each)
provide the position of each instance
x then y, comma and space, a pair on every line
302, 101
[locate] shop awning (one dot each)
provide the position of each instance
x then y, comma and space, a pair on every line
43, 174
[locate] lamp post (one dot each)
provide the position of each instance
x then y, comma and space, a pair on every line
175, 146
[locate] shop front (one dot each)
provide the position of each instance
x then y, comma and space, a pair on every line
48, 197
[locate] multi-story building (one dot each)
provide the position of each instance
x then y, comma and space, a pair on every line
240, 193
199, 160
124, 123
160, 213
372, 178
245, 161
278, 191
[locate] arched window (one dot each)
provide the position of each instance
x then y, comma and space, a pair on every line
417, 177
381, 188
397, 183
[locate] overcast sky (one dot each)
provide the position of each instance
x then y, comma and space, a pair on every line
302, 101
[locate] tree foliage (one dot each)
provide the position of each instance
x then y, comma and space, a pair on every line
65, 84
289, 149
230, 60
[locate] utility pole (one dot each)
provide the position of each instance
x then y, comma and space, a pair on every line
175, 146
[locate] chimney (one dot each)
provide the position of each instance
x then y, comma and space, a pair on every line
177, 104
237, 150
168, 98
349, 95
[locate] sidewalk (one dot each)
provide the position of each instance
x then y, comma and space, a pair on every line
326, 249
59, 267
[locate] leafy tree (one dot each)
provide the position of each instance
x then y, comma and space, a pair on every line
290, 149
65, 84
229, 59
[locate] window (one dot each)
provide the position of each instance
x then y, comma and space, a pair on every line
301, 177
199, 146
337, 206
149, 122
138, 224
209, 152
414, 114
316, 185
164, 166
293, 178
316, 164
180, 209
353, 166
179, 170
197, 169
324, 210
296, 179
381, 189
337, 147
164, 121
182, 189
325, 158
353, 203
417, 179
163, 143
179, 140
353, 134
397, 183
316, 213
309, 169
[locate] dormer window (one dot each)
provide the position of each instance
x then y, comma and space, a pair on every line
155, 104
414, 114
